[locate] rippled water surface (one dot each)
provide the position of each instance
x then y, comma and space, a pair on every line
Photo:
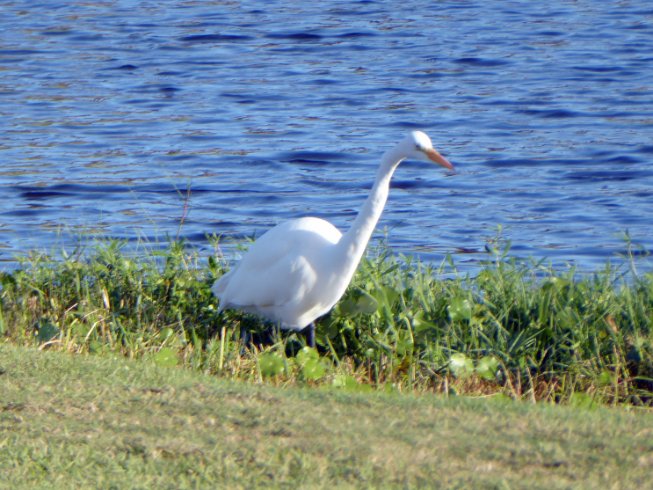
118, 118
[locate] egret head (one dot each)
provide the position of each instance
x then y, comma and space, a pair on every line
419, 147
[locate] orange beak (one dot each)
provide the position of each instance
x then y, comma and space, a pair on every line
434, 156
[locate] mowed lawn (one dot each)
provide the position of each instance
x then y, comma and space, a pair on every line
73, 421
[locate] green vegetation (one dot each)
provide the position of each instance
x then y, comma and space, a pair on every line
80, 421
516, 329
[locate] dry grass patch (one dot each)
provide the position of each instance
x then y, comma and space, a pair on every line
80, 421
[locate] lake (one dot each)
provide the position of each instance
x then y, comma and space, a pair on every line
146, 121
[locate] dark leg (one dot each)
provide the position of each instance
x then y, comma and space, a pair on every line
309, 334
245, 335
271, 334
252, 334
245, 340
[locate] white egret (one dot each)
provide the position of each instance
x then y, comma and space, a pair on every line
297, 271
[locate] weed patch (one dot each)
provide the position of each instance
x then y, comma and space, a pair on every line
517, 328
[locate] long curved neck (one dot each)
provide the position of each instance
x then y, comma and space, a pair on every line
355, 240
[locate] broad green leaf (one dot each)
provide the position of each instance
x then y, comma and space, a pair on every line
364, 304
487, 368
606, 378
306, 353
166, 357
385, 296
460, 309
344, 381
310, 363
165, 334
271, 364
460, 365
313, 370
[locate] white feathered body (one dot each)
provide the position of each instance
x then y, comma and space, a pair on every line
291, 275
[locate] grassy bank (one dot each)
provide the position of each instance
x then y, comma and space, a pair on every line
78, 421
516, 329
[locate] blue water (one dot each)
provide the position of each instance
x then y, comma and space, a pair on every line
115, 114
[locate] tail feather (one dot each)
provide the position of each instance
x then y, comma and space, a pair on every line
219, 288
